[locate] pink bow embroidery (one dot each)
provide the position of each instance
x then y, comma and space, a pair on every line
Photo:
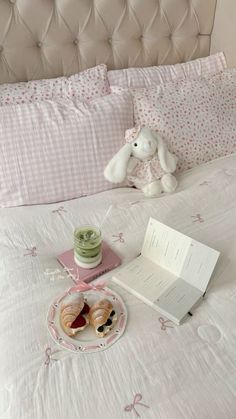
204, 183
59, 210
197, 218
164, 324
32, 252
119, 238
136, 401
48, 354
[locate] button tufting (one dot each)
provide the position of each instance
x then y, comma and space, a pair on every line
138, 30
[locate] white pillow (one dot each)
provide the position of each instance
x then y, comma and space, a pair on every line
148, 76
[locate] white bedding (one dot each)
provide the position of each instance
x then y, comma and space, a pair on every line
156, 370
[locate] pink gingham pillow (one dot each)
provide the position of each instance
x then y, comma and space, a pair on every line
196, 117
149, 76
86, 85
54, 151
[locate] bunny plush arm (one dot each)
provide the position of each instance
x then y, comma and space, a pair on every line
145, 161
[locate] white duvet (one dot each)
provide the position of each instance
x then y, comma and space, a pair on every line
156, 370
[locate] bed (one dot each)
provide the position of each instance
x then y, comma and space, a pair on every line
156, 369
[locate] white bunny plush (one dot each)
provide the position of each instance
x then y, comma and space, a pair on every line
145, 161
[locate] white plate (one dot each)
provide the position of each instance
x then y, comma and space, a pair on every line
87, 340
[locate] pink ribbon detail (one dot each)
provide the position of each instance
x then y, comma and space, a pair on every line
119, 238
136, 401
83, 286
164, 324
132, 133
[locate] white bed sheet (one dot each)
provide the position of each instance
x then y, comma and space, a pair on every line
177, 372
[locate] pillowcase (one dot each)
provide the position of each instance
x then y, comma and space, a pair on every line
196, 117
54, 151
148, 76
86, 85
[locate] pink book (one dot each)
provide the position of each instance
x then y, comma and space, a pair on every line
110, 260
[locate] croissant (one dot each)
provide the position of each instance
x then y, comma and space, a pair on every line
73, 315
102, 316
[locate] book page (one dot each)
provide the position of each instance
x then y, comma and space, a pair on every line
144, 278
199, 264
166, 247
184, 257
178, 299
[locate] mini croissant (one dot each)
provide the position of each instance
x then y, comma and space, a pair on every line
103, 317
73, 316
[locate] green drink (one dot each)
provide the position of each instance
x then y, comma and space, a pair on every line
87, 246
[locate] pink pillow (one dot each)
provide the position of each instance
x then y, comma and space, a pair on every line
196, 117
86, 85
53, 151
148, 76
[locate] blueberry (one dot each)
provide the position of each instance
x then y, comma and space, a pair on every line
108, 323
112, 313
100, 329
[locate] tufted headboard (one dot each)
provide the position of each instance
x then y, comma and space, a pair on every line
49, 38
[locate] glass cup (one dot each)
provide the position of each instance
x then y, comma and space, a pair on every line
87, 246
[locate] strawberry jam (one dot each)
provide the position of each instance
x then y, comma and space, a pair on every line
85, 309
78, 322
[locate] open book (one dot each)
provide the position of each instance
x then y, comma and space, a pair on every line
172, 272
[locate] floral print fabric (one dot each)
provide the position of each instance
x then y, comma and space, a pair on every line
197, 118
84, 86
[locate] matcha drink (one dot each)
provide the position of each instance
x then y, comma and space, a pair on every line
87, 246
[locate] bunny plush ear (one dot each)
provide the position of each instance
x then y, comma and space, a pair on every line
167, 160
116, 169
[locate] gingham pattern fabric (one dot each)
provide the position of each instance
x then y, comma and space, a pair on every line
86, 85
148, 76
57, 151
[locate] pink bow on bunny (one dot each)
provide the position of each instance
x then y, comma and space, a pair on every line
131, 134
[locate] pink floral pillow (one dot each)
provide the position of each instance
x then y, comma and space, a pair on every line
196, 117
149, 76
86, 85
54, 151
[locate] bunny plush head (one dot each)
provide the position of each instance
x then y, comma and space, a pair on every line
142, 144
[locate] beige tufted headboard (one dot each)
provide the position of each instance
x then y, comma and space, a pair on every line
49, 38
